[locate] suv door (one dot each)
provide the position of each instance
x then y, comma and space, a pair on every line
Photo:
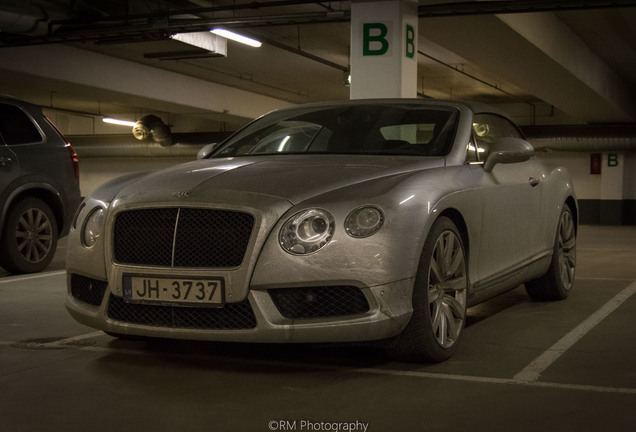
9, 168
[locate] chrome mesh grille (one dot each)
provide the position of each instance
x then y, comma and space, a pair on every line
231, 316
182, 237
318, 302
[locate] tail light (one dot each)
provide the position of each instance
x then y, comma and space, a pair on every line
74, 160
71, 152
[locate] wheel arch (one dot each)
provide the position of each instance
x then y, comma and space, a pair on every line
571, 203
43, 192
458, 219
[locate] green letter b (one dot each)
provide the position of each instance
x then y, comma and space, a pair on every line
379, 37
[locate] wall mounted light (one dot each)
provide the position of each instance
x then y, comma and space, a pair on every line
152, 126
237, 37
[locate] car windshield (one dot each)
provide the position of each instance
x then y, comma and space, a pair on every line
349, 129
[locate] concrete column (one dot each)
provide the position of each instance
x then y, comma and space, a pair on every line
384, 49
612, 185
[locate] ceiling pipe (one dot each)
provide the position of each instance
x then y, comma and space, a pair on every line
161, 24
582, 138
500, 7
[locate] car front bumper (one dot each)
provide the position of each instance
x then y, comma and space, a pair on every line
260, 317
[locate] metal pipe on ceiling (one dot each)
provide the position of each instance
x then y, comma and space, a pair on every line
583, 138
500, 7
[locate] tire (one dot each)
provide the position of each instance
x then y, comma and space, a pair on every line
29, 237
557, 282
439, 299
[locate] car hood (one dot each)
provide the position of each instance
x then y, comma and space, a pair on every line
292, 178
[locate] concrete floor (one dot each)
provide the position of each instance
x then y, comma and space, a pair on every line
521, 366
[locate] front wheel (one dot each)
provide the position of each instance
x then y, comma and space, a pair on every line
439, 298
29, 237
557, 282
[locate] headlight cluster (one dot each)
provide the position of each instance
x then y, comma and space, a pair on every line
364, 222
92, 227
309, 230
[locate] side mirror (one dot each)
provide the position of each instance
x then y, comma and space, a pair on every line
206, 150
508, 150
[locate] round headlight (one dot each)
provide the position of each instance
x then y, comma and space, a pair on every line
364, 221
307, 231
93, 226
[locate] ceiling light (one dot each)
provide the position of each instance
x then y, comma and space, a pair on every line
212, 43
236, 37
118, 122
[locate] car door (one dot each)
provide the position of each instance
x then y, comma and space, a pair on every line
21, 145
9, 167
512, 204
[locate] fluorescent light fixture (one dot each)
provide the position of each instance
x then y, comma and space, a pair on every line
205, 40
118, 122
236, 37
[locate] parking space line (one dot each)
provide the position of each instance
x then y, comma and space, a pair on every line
377, 371
21, 278
533, 371
494, 380
69, 343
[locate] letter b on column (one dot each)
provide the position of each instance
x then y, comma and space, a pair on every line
410, 41
374, 41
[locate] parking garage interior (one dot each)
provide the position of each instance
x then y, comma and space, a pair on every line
565, 71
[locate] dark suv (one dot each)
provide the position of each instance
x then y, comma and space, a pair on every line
39, 187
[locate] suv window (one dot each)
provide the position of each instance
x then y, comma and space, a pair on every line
487, 128
16, 127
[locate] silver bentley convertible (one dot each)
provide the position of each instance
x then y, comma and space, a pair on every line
376, 220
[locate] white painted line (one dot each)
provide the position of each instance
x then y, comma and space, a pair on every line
306, 365
494, 380
532, 372
374, 371
21, 278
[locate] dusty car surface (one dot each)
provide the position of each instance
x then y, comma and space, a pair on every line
39, 186
376, 220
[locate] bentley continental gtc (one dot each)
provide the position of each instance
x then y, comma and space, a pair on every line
374, 220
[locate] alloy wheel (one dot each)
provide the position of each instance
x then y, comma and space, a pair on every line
34, 235
447, 289
567, 249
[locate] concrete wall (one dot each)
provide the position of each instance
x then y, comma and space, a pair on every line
608, 198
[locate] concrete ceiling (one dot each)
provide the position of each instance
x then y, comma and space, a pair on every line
544, 62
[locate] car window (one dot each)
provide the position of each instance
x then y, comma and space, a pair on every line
16, 127
487, 128
355, 129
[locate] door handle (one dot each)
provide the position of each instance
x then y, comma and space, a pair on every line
533, 181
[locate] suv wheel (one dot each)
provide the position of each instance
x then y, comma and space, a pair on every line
29, 237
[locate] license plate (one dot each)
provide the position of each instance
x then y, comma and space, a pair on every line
182, 291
